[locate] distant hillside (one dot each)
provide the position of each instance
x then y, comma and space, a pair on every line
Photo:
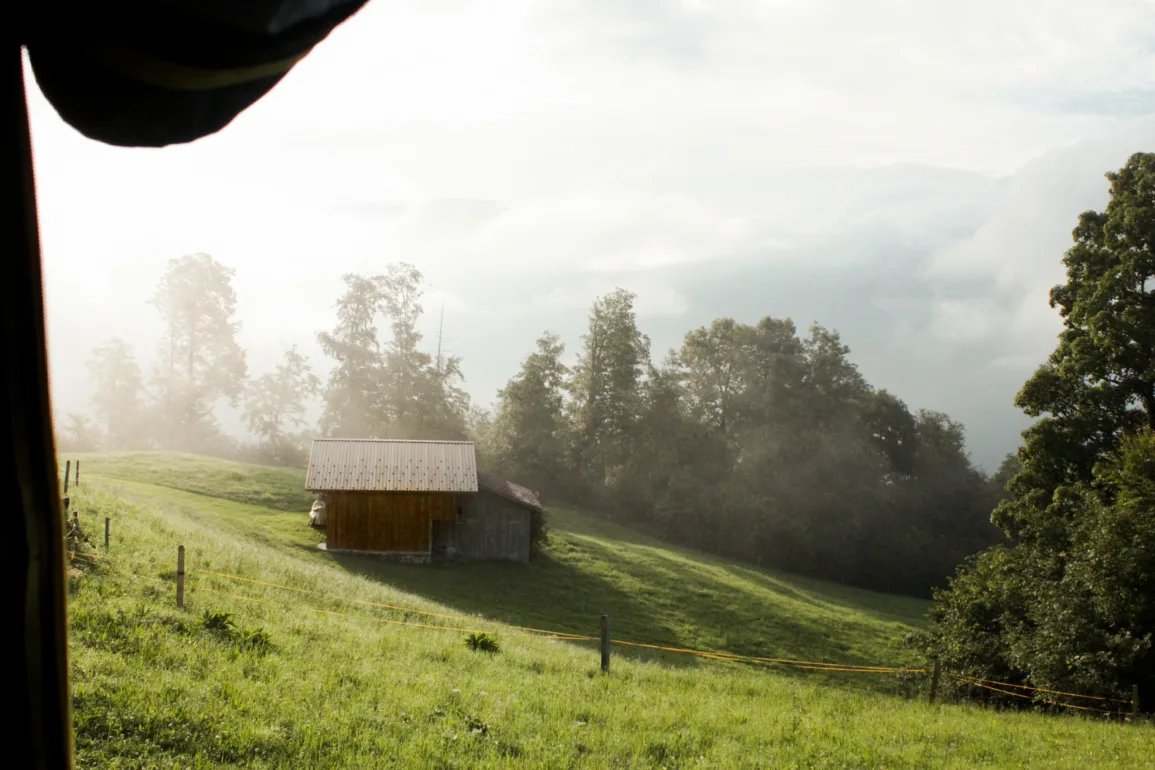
280, 488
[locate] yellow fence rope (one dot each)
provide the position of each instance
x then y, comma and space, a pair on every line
551, 633
222, 593
1043, 689
811, 665
403, 623
249, 580
566, 636
977, 683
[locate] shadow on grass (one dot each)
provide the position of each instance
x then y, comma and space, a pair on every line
547, 594
896, 608
653, 600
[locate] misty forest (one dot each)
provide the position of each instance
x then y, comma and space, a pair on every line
755, 440
750, 441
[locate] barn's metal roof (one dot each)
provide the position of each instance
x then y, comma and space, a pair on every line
507, 489
387, 465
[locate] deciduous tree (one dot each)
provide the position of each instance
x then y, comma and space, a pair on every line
200, 361
118, 394
276, 403
1058, 606
529, 431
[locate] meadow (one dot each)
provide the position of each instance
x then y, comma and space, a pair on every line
355, 662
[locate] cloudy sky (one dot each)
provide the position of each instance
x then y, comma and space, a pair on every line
905, 172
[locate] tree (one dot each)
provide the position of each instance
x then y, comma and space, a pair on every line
1010, 467
80, 435
677, 462
118, 392
200, 360
1099, 383
604, 388
893, 430
714, 359
393, 389
529, 431
833, 386
421, 397
941, 505
480, 428
775, 372
749, 442
406, 367
1039, 611
353, 394
276, 402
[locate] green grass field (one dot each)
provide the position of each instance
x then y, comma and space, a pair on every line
334, 686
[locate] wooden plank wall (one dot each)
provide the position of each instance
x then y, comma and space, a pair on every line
491, 527
384, 521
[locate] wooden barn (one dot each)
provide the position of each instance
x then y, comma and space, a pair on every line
418, 501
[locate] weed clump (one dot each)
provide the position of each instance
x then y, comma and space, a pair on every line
221, 624
482, 642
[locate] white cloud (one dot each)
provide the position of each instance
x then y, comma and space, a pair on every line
1014, 258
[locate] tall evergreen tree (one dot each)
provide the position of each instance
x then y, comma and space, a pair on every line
353, 395
605, 389
395, 389
421, 398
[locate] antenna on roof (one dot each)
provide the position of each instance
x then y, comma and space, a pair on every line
440, 327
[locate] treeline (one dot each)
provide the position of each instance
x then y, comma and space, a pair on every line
749, 441
376, 387
198, 365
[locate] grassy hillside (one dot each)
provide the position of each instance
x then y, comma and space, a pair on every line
280, 488
155, 687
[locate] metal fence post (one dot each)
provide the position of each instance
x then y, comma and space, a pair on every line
180, 576
605, 644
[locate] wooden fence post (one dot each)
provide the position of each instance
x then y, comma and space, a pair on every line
1134, 701
106, 534
77, 473
67, 473
76, 522
180, 576
605, 644
934, 681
